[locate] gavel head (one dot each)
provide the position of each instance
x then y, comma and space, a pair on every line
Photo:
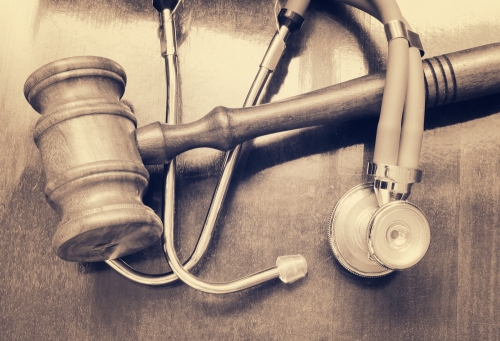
94, 176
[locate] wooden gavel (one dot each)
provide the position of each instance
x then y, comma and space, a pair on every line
92, 152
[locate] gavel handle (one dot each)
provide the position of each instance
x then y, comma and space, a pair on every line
449, 78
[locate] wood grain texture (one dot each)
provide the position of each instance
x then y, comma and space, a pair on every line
283, 191
450, 78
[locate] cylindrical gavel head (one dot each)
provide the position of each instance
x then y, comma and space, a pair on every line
94, 176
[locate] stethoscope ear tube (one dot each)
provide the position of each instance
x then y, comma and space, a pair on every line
288, 268
412, 130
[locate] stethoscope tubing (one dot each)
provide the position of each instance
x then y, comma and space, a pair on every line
172, 116
404, 93
216, 204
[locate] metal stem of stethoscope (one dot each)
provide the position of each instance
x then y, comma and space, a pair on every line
288, 268
169, 52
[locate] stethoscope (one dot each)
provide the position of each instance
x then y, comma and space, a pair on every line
373, 229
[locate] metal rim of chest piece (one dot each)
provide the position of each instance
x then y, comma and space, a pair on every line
373, 241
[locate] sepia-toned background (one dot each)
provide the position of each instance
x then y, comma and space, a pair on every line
282, 193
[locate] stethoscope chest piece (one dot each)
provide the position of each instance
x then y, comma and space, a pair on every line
372, 241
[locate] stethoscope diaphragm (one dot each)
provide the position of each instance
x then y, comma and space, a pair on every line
398, 235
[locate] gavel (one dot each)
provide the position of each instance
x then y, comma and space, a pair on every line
93, 154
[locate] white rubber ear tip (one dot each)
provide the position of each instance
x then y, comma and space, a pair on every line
298, 6
291, 268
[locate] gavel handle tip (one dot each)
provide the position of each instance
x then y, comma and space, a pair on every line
151, 144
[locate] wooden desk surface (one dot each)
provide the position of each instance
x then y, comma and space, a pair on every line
281, 197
